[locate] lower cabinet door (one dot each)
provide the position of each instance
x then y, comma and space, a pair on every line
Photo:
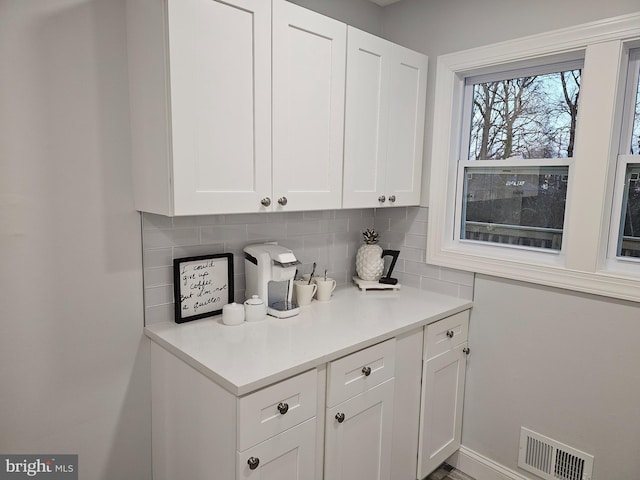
289, 455
358, 436
441, 408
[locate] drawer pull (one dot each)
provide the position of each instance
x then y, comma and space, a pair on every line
466, 350
283, 408
382, 199
340, 417
366, 371
450, 333
282, 201
253, 462
266, 201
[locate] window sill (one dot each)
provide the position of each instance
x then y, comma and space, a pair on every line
548, 270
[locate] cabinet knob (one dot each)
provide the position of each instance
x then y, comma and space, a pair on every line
450, 333
340, 417
253, 462
266, 201
283, 408
392, 198
466, 350
382, 198
282, 201
366, 371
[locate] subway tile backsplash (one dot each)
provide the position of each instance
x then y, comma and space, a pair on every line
329, 237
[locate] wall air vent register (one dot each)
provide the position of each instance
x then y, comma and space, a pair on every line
552, 460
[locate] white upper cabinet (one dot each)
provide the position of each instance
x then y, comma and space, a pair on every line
309, 55
239, 106
384, 122
366, 118
200, 105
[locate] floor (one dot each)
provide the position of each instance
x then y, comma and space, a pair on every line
447, 472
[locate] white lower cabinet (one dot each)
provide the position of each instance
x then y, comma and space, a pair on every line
443, 375
389, 411
287, 456
442, 418
358, 436
359, 418
200, 431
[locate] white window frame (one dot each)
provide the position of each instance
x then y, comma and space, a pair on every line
581, 263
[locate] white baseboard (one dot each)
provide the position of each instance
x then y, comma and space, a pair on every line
481, 467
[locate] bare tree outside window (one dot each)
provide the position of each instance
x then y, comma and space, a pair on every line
527, 117
635, 136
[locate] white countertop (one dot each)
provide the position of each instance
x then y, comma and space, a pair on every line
250, 356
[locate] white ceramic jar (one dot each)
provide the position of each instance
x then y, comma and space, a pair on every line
232, 314
255, 309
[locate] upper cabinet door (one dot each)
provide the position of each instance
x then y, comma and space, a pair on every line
406, 126
309, 54
366, 118
220, 104
384, 129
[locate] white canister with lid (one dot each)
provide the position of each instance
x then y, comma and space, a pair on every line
255, 309
232, 314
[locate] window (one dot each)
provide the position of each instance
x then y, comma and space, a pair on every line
531, 116
527, 178
626, 233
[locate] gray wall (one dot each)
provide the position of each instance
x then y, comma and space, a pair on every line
361, 14
74, 373
559, 363
562, 364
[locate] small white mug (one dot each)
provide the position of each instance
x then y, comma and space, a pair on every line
305, 292
325, 288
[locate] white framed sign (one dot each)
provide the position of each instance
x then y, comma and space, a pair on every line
202, 285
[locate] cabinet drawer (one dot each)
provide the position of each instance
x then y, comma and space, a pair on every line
272, 410
351, 375
446, 334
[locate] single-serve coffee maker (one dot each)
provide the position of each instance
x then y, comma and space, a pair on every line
269, 273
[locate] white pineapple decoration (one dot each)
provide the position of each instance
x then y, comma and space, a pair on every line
369, 262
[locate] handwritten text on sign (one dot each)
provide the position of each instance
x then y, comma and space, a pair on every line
203, 286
